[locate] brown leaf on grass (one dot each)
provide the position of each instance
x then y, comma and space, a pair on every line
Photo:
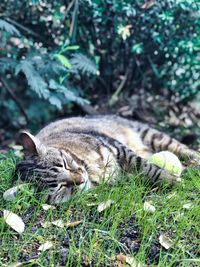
86, 261
104, 205
131, 261
165, 241
73, 224
121, 257
60, 223
119, 264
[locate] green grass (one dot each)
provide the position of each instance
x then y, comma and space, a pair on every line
123, 228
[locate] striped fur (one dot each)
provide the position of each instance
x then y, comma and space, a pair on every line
83, 152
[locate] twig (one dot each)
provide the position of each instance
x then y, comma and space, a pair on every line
15, 99
70, 6
88, 109
114, 97
22, 27
73, 27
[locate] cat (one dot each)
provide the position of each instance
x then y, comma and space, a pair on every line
82, 152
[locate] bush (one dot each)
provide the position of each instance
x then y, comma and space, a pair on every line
50, 52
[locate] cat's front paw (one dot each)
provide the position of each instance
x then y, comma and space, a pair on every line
195, 163
170, 178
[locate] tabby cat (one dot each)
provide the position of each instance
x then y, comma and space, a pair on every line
83, 152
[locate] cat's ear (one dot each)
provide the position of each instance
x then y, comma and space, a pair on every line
31, 144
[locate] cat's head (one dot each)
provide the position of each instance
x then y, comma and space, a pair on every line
51, 169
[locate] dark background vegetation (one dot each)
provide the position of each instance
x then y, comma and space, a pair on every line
59, 58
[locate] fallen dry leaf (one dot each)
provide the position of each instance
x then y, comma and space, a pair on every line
18, 153
129, 260
104, 205
47, 245
16, 147
155, 189
18, 150
92, 204
46, 224
179, 215
11, 193
187, 206
165, 241
47, 207
14, 221
132, 262
86, 261
171, 195
15, 264
73, 224
149, 207
121, 257
59, 223
19, 264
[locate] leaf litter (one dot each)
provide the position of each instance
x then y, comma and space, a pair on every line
149, 207
47, 245
47, 207
131, 261
105, 205
60, 223
165, 241
14, 221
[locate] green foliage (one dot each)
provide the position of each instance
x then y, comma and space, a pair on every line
7, 27
35, 81
62, 53
157, 40
82, 63
63, 60
29, 70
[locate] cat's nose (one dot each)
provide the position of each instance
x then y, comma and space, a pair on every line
82, 181
79, 180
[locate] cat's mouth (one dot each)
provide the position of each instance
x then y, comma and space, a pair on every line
65, 190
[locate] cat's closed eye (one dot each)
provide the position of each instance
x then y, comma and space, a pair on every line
54, 169
80, 170
59, 165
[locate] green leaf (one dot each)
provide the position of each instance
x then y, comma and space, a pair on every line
5, 26
35, 81
72, 47
137, 48
84, 64
68, 93
63, 60
55, 101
